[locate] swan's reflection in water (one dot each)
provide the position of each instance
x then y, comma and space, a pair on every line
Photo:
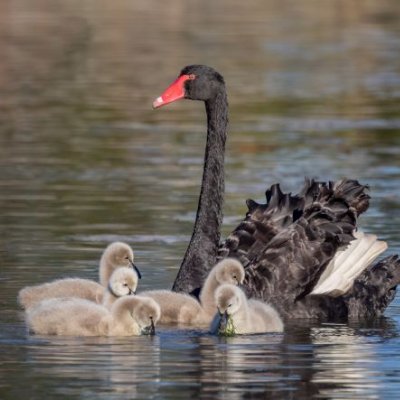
346, 362
331, 361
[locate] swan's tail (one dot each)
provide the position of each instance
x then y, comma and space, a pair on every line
340, 274
374, 289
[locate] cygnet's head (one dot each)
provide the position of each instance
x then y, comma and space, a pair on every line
229, 299
146, 312
123, 282
230, 271
119, 254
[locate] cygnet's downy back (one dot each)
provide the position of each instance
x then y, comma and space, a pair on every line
129, 316
116, 255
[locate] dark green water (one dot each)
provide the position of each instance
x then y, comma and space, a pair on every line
314, 91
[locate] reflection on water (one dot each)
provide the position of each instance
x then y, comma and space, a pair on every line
84, 161
328, 361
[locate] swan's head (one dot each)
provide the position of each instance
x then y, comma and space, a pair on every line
146, 314
123, 282
229, 299
119, 254
195, 82
230, 271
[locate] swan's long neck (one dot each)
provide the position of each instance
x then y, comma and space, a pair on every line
201, 253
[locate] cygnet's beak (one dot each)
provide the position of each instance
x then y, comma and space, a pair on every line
136, 269
150, 329
223, 322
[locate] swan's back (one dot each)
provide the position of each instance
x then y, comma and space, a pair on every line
287, 243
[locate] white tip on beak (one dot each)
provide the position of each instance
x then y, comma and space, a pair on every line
158, 102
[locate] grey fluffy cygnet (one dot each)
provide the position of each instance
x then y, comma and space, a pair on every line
229, 271
245, 316
183, 309
30, 296
129, 316
123, 282
116, 255
177, 308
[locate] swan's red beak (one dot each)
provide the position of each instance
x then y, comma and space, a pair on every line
174, 92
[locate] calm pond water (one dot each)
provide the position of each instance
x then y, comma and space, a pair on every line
314, 91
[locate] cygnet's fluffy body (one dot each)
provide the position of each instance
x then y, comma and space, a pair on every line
247, 316
129, 316
229, 271
30, 296
123, 282
177, 308
116, 255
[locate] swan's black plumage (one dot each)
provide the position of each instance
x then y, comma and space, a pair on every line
374, 289
201, 253
286, 243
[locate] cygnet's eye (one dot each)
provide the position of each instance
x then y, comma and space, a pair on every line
229, 305
125, 284
234, 277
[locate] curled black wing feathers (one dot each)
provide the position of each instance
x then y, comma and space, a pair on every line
294, 259
374, 289
330, 202
261, 224
286, 243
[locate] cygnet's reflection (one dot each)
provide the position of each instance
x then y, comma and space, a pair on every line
121, 366
325, 361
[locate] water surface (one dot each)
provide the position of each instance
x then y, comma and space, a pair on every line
314, 91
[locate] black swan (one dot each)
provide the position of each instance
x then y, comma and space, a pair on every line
288, 244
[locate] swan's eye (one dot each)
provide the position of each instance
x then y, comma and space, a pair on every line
192, 77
